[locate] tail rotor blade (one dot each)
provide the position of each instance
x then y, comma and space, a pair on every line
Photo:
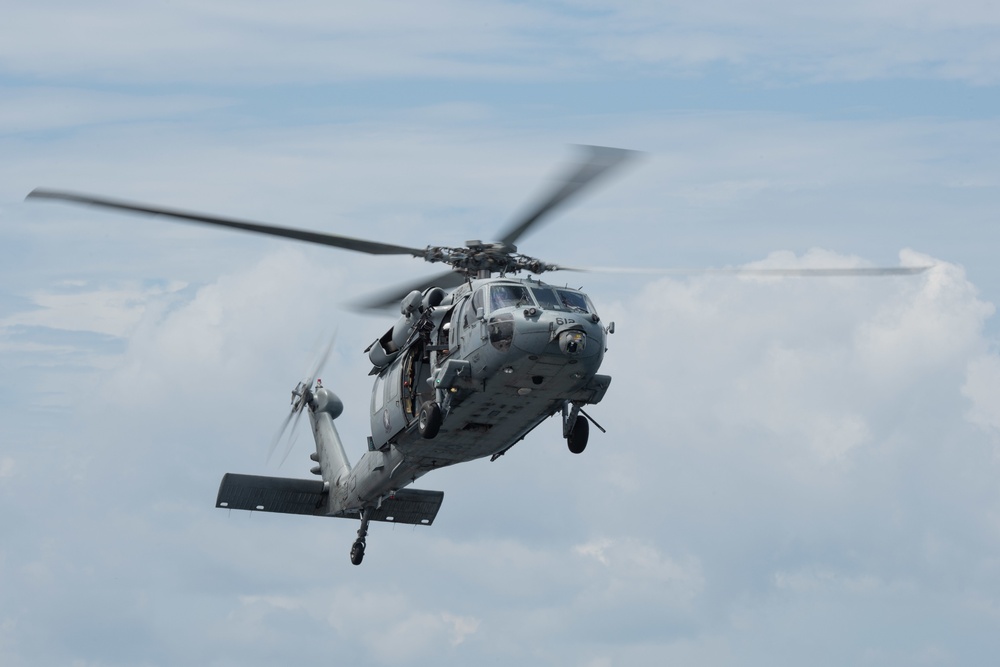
301, 396
280, 434
324, 357
292, 438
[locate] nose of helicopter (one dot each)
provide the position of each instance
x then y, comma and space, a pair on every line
548, 334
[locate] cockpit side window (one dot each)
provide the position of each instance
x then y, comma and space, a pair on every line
506, 296
476, 304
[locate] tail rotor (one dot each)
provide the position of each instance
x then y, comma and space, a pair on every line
302, 396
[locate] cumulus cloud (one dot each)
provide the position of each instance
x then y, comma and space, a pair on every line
636, 567
767, 398
765, 433
224, 332
982, 388
113, 312
868, 339
753, 460
395, 627
783, 455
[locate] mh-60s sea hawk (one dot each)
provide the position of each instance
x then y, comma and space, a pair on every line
461, 375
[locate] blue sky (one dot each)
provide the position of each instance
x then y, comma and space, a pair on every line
795, 471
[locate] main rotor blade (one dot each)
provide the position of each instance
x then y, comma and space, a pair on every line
345, 242
750, 271
394, 295
600, 161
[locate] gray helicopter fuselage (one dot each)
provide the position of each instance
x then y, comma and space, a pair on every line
499, 356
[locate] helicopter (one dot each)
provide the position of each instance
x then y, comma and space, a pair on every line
477, 359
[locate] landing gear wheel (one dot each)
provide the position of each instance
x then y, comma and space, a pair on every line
577, 439
357, 552
429, 420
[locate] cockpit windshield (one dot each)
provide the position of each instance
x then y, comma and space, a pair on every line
573, 301
546, 298
506, 296
561, 299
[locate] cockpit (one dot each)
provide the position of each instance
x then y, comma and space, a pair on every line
497, 307
551, 298
506, 296
541, 296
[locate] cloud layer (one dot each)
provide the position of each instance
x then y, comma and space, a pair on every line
782, 455
310, 42
795, 471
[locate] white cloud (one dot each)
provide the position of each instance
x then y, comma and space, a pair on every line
771, 40
308, 41
462, 627
824, 433
396, 628
820, 578
634, 568
222, 336
982, 388
298, 43
50, 108
595, 549
811, 361
114, 312
933, 327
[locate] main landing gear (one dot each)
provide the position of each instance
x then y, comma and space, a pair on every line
576, 427
429, 419
578, 435
358, 548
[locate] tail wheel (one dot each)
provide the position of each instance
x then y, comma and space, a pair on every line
429, 420
577, 440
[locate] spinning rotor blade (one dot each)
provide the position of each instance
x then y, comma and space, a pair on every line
345, 242
293, 420
299, 404
750, 271
324, 357
394, 295
600, 161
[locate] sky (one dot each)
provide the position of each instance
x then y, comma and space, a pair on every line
795, 471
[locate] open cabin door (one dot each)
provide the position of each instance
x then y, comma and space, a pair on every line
387, 418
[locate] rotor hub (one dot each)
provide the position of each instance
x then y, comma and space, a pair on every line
477, 257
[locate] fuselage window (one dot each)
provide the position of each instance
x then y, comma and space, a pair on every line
378, 396
506, 296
